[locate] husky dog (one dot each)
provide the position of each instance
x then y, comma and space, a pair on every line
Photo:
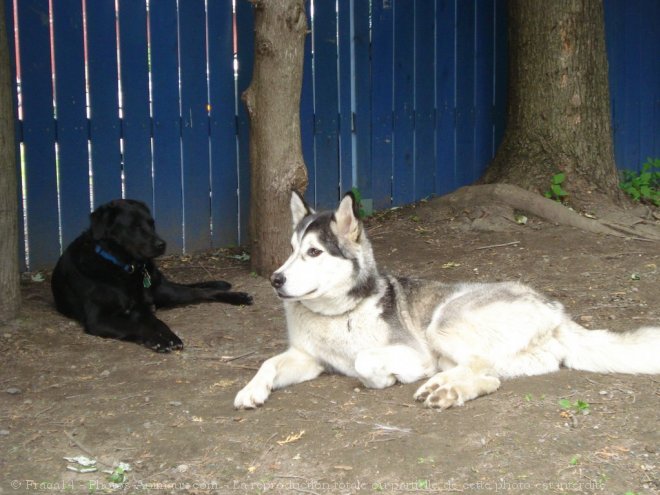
344, 316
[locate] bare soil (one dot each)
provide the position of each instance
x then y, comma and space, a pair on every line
170, 416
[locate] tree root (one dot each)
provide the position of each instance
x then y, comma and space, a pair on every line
534, 204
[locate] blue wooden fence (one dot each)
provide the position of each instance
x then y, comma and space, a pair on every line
633, 52
400, 98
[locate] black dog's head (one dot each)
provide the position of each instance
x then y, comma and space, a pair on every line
126, 228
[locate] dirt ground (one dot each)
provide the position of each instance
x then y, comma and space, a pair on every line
170, 416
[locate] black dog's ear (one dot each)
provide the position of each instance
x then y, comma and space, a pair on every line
100, 220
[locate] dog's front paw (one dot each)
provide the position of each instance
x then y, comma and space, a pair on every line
251, 396
164, 343
238, 298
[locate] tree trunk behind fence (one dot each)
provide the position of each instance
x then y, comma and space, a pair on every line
273, 104
10, 297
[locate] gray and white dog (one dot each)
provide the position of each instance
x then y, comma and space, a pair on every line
344, 316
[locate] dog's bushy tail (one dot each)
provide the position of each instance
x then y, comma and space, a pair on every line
603, 351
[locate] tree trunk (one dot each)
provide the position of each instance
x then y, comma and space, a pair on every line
559, 103
273, 104
10, 297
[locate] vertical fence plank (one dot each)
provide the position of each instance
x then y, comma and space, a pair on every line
465, 84
381, 103
649, 83
483, 91
245, 33
38, 133
362, 100
632, 73
655, 97
307, 110
72, 125
18, 130
404, 102
168, 202
500, 70
614, 34
136, 125
326, 105
424, 98
346, 83
194, 131
445, 73
105, 130
224, 171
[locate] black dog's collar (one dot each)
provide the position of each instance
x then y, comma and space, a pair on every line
127, 267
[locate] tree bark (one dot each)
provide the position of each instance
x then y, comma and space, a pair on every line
273, 104
558, 116
10, 297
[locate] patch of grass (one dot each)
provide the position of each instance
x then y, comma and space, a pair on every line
643, 186
577, 406
556, 192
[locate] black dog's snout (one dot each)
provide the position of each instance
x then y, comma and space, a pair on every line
277, 280
160, 244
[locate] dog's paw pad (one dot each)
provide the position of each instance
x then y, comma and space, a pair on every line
444, 397
425, 391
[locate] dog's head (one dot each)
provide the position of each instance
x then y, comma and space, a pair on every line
126, 228
332, 258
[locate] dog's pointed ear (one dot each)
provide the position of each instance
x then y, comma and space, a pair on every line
98, 221
299, 208
346, 217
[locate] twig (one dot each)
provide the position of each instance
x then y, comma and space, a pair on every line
235, 358
498, 245
241, 366
43, 411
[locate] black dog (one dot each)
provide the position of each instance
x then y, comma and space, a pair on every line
107, 279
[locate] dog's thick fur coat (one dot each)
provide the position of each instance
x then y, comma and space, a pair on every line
344, 316
107, 279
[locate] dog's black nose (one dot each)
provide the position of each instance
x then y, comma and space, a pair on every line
277, 280
160, 245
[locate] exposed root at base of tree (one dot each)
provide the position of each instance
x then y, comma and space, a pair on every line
622, 224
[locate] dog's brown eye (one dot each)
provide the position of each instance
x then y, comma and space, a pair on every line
313, 252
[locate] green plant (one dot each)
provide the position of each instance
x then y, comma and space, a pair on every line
557, 192
643, 186
358, 199
577, 406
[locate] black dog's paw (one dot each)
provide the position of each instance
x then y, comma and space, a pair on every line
164, 343
235, 298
